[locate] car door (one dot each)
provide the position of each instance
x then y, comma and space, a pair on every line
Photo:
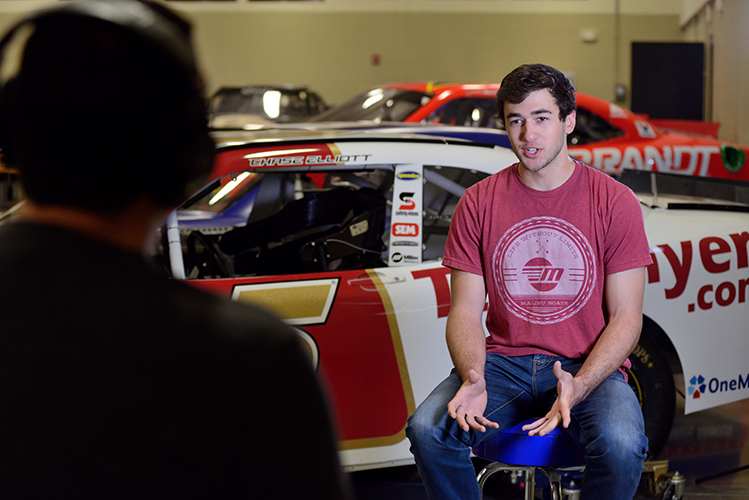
370, 309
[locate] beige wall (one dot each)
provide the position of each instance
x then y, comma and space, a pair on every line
332, 52
330, 46
725, 31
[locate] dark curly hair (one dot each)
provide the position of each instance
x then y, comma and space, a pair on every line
528, 78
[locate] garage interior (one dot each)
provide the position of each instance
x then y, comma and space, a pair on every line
340, 48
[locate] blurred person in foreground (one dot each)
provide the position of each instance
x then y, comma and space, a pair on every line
560, 249
116, 382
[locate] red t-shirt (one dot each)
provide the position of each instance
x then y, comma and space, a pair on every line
544, 256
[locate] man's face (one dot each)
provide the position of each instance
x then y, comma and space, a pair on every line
537, 136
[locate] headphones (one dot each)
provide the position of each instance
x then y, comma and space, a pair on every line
193, 156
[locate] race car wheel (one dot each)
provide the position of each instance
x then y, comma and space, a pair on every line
653, 382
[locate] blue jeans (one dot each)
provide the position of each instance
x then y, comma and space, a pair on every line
608, 425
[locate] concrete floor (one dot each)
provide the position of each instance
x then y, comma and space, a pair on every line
700, 445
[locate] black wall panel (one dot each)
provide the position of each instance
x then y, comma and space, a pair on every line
668, 80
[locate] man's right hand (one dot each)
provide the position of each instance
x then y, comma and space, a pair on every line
468, 405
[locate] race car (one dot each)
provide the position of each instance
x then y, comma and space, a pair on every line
256, 105
341, 233
606, 136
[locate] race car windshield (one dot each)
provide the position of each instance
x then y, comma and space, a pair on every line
224, 192
271, 104
591, 128
378, 105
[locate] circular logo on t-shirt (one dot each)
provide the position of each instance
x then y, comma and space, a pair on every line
544, 269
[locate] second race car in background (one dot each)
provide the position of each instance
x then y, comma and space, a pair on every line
256, 105
606, 136
341, 233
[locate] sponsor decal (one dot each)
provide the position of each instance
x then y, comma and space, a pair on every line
405, 229
645, 130
404, 258
716, 255
733, 157
700, 386
407, 206
406, 218
687, 160
696, 386
409, 176
407, 201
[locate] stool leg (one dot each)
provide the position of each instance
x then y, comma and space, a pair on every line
530, 483
529, 472
488, 471
555, 484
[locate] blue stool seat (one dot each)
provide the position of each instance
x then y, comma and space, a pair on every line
515, 446
513, 450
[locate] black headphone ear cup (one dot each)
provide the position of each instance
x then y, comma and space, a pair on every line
192, 158
187, 149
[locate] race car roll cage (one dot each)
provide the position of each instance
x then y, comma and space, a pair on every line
339, 227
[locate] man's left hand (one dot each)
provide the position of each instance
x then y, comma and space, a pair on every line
569, 393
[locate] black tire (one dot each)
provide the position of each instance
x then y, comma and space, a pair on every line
653, 382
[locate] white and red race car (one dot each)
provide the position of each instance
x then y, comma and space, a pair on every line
341, 233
